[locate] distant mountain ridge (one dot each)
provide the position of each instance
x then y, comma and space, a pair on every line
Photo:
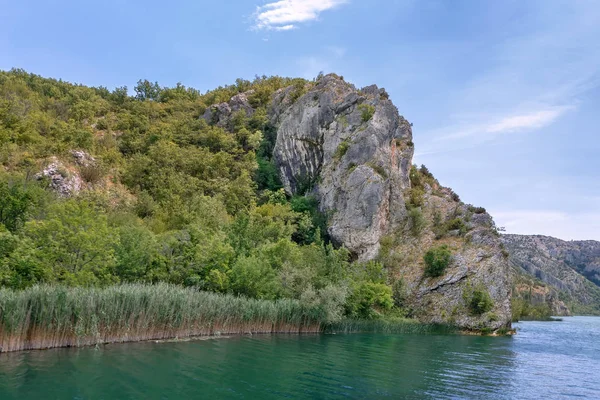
570, 267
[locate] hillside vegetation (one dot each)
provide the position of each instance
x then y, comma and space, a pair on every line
98, 187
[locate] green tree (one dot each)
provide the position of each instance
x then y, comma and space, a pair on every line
253, 277
74, 244
480, 302
145, 90
437, 260
15, 203
136, 251
369, 300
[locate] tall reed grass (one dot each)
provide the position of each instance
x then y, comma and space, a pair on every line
54, 316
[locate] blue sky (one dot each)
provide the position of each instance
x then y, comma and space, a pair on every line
504, 95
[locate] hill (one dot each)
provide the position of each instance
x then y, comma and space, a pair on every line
570, 268
273, 188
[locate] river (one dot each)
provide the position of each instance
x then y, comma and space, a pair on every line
545, 360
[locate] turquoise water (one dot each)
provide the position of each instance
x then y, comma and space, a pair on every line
545, 360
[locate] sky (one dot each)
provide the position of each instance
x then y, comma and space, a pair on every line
504, 95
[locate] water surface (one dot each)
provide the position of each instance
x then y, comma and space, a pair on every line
544, 360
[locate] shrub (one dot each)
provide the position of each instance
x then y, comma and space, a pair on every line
456, 224
15, 203
91, 173
367, 111
417, 221
480, 302
379, 170
454, 196
399, 293
266, 175
437, 260
425, 172
305, 184
416, 195
341, 150
300, 89
368, 299
314, 227
329, 301
415, 177
476, 210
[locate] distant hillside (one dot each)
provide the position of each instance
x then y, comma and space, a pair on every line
570, 267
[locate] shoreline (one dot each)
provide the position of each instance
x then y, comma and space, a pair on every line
406, 327
45, 317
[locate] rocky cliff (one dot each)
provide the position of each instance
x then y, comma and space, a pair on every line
352, 150
571, 268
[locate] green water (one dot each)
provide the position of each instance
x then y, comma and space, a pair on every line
546, 360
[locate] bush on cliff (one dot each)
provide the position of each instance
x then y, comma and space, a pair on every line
480, 302
437, 260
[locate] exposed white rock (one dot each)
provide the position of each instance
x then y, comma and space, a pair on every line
64, 182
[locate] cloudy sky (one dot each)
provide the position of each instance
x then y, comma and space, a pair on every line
504, 95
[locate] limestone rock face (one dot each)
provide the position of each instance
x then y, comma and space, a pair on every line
353, 151
65, 177
478, 264
572, 267
220, 114
82, 158
540, 294
62, 180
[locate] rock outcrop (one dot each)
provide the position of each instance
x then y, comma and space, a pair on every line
570, 267
220, 114
539, 294
478, 264
352, 150
63, 180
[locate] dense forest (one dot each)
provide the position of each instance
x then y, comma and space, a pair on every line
161, 195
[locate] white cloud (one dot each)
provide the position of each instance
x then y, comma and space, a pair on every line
533, 120
283, 15
485, 127
284, 28
563, 225
528, 80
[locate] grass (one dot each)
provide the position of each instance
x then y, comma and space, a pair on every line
341, 150
389, 326
56, 316
378, 169
91, 173
46, 316
366, 111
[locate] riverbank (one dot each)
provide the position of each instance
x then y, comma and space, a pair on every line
389, 326
43, 317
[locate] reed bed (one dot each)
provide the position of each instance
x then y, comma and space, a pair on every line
55, 316
389, 326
